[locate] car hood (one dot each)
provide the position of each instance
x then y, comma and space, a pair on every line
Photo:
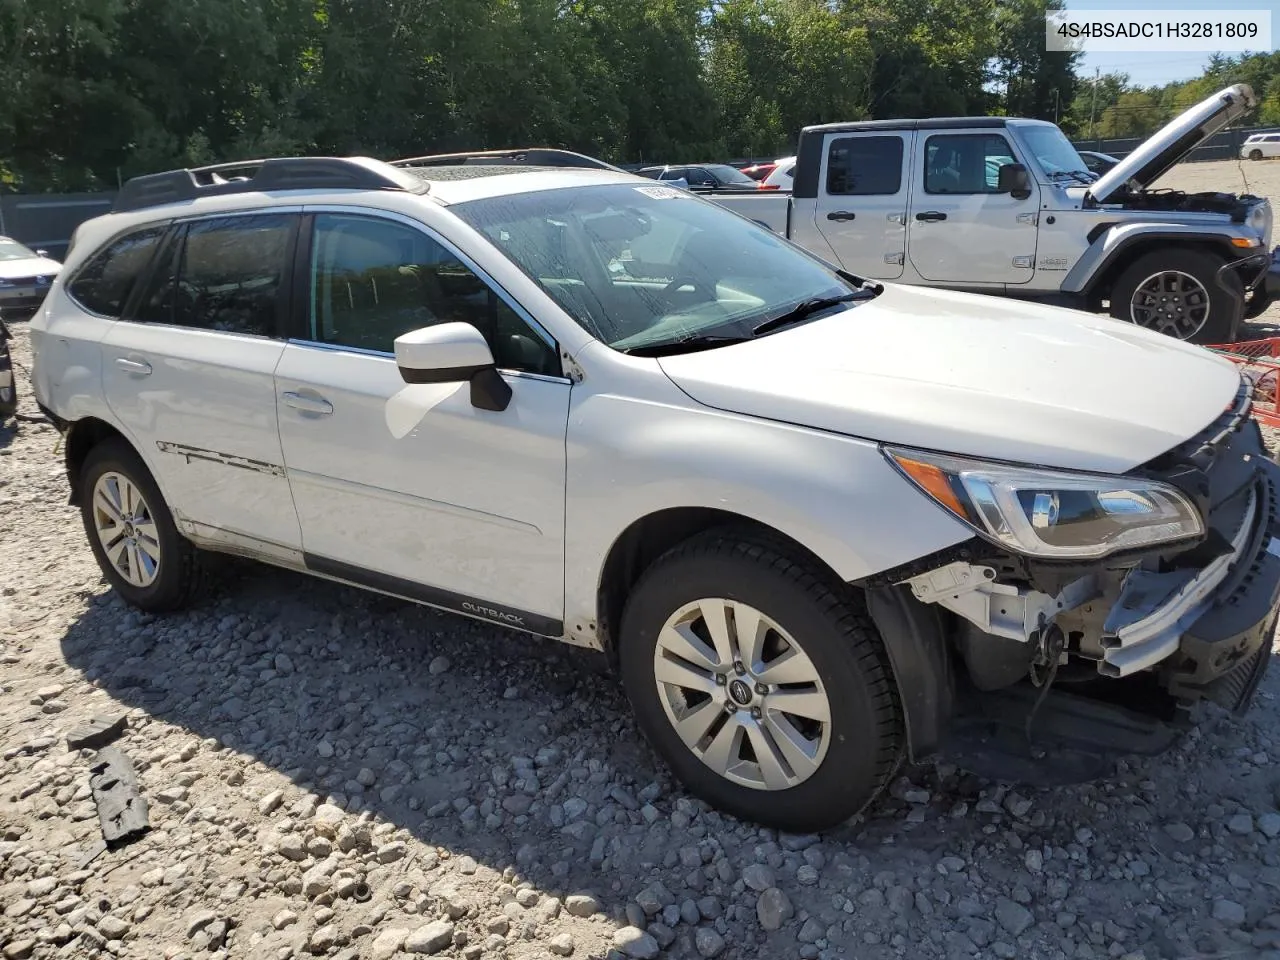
1160, 151
29, 267
974, 375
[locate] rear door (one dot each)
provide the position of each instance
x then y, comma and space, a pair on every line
189, 372
862, 201
963, 231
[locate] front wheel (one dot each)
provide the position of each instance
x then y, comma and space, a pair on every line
1175, 292
768, 695
1255, 154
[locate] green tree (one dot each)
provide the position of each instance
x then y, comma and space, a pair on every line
1037, 83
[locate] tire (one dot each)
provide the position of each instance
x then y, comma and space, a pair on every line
1183, 270
1255, 154
858, 748
8, 381
167, 574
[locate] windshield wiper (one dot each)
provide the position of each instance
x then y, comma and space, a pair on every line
699, 341
1073, 174
808, 308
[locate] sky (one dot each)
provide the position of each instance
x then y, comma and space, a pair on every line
1157, 68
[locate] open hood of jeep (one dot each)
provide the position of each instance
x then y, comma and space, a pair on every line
973, 375
1160, 151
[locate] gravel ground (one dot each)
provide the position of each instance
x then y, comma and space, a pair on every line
330, 772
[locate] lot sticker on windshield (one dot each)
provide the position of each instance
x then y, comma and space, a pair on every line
662, 193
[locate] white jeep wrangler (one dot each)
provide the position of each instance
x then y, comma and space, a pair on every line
1007, 206
588, 406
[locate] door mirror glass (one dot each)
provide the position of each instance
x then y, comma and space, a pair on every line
453, 353
1014, 180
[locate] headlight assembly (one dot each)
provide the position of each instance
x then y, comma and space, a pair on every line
1044, 513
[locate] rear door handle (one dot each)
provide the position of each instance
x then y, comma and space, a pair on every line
308, 404
137, 368
841, 215
931, 215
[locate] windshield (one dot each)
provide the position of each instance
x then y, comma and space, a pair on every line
1054, 151
643, 265
13, 250
727, 174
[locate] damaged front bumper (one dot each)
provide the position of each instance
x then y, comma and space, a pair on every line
1201, 618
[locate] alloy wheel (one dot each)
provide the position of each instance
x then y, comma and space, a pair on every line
742, 694
1172, 303
126, 529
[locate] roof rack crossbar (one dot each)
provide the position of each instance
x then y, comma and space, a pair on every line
257, 176
533, 156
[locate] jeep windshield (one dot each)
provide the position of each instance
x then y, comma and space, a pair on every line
645, 267
1054, 152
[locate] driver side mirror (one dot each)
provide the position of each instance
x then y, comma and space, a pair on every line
453, 353
42, 253
1014, 180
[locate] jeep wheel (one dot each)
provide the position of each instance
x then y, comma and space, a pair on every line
768, 695
1174, 292
1255, 154
132, 533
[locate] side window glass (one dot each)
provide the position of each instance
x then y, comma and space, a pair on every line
964, 163
373, 280
231, 273
157, 300
104, 283
864, 166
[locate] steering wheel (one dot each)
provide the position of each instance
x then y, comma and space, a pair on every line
678, 282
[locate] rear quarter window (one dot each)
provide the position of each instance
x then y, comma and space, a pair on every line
107, 278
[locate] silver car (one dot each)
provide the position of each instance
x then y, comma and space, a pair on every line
25, 277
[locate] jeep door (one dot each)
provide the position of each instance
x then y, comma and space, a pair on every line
963, 230
861, 210
412, 489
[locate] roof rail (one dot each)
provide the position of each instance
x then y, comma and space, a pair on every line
256, 176
533, 156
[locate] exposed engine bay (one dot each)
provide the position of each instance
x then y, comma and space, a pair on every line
1235, 205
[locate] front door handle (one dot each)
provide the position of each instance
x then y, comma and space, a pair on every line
137, 368
308, 404
841, 215
931, 216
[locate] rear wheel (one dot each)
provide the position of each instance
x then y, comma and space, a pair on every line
1175, 292
1255, 154
768, 695
132, 533
8, 385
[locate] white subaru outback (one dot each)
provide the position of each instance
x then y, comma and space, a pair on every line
818, 524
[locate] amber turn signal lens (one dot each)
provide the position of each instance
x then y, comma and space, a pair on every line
933, 481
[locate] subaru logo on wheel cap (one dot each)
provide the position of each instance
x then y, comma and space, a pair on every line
740, 691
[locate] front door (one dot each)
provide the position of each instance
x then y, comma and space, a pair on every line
862, 202
189, 368
963, 231
411, 489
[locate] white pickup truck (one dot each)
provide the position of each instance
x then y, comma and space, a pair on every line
1007, 206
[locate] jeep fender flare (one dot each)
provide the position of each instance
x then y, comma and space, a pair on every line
1115, 247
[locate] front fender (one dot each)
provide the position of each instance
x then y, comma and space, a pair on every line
1116, 242
837, 496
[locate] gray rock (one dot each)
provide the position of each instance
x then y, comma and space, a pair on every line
1241, 824
811, 931
323, 939
581, 904
432, 938
708, 943
113, 928
561, 945
1228, 912
689, 912
387, 944
1269, 825
283, 919
773, 909
391, 852
366, 777
1179, 832
634, 942
292, 848
438, 665
758, 877
1014, 917
198, 921
268, 804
